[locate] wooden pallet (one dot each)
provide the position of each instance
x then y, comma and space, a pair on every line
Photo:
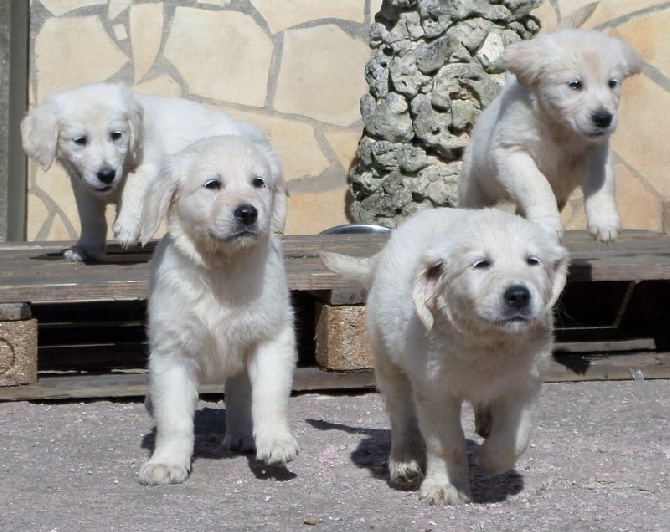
613, 322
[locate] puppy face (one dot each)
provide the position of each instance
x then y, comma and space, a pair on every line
576, 78
498, 274
94, 131
221, 194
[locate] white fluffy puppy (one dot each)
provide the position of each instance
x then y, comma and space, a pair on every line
459, 309
110, 141
219, 302
547, 132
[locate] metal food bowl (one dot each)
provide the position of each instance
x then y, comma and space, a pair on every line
353, 229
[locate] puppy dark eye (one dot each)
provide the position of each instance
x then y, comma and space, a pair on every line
213, 184
116, 135
81, 141
532, 260
481, 264
613, 83
257, 182
575, 85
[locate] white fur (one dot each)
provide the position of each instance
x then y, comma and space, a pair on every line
219, 302
540, 139
443, 331
102, 127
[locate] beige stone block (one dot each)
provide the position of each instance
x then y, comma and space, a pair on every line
60, 7
222, 55
648, 35
62, 228
294, 142
342, 342
146, 33
120, 32
640, 138
288, 13
309, 214
315, 61
375, 7
18, 352
55, 183
72, 51
574, 215
607, 10
344, 144
160, 86
639, 207
37, 215
116, 7
220, 3
547, 15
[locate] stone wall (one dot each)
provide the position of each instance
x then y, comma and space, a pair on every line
434, 67
294, 67
297, 68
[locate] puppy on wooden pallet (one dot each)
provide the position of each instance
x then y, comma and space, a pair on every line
219, 302
459, 309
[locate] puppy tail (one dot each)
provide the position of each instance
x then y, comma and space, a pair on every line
577, 18
360, 271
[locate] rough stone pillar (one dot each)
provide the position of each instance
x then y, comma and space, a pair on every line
433, 69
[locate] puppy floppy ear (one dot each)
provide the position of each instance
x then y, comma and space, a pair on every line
39, 132
426, 287
279, 209
159, 197
280, 199
632, 62
526, 60
135, 118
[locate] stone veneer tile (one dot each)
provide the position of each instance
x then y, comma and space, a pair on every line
55, 183
60, 7
375, 7
639, 140
120, 32
38, 215
648, 35
116, 7
294, 142
309, 214
606, 10
344, 144
229, 47
72, 51
146, 33
287, 13
310, 84
159, 86
639, 207
547, 15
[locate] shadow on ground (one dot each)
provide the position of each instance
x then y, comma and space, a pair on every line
373, 450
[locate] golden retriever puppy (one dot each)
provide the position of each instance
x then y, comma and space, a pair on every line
547, 132
219, 302
110, 141
459, 309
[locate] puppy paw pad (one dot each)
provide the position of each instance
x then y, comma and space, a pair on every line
404, 474
152, 474
442, 494
278, 451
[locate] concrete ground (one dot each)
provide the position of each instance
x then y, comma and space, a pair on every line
599, 460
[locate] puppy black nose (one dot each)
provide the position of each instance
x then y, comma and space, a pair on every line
245, 213
602, 118
106, 175
517, 296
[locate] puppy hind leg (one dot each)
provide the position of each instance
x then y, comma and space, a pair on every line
271, 367
511, 428
408, 455
174, 395
239, 430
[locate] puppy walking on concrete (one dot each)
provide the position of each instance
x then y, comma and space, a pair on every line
548, 132
459, 309
219, 302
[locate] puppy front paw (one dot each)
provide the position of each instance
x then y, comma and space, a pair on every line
442, 493
154, 474
551, 224
127, 232
239, 443
405, 474
496, 461
277, 450
606, 230
82, 252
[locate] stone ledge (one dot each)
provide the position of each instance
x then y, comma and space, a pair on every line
18, 352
